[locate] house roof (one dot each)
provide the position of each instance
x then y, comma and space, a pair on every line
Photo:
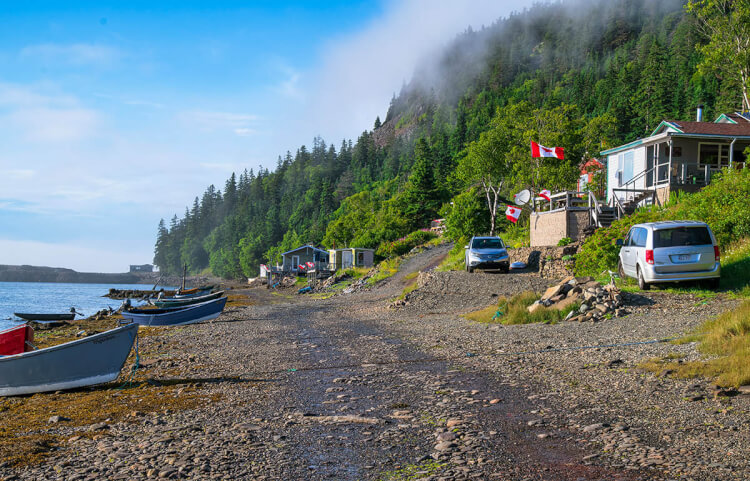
304, 247
727, 125
353, 248
734, 118
711, 128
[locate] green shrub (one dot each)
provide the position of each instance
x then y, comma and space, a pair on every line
724, 205
454, 261
515, 311
599, 252
405, 244
564, 241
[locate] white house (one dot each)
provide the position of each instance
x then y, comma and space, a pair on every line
678, 155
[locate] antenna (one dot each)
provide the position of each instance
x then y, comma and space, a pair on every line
522, 198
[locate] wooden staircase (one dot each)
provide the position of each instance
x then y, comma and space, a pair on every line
603, 215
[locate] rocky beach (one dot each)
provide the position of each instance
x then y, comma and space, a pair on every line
286, 386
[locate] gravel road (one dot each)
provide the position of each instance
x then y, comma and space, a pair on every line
348, 388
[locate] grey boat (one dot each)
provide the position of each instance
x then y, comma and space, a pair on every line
92, 360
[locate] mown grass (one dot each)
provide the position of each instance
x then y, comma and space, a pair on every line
726, 342
514, 311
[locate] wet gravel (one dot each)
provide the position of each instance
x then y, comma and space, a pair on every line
348, 388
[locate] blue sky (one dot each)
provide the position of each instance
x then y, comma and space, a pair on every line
113, 116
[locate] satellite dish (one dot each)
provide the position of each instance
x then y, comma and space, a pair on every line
522, 198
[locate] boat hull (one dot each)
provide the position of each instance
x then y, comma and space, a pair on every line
84, 362
45, 317
177, 316
179, 302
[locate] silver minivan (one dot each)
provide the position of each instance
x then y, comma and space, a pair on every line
670, 251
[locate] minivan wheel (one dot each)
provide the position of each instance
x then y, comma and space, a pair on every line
620, 270
642, 284
713, 284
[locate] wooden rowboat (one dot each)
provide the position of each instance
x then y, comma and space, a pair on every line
175, 316
16, 340
46, 317
92, 360
185, 301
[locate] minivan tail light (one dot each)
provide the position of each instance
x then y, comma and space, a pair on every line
717, 253
649, 256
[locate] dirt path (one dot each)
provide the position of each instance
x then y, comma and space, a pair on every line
349, 389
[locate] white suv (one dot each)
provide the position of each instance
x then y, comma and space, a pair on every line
670, 251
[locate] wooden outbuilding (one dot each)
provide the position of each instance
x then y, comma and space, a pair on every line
351, 257
301, 256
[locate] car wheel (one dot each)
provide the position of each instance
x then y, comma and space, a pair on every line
620, 270
642, 284
505, 269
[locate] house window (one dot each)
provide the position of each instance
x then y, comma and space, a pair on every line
713, 155
625, 166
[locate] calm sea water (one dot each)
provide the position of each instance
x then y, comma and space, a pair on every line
49, 297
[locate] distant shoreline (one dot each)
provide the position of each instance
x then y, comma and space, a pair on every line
26, 273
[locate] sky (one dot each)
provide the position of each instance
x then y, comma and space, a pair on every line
116, 115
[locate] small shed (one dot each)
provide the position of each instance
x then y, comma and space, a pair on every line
351, 257
302, 255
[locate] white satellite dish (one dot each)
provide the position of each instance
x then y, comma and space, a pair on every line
522, 198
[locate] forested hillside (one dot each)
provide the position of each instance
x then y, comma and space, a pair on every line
582, 75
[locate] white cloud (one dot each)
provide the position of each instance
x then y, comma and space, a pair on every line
245, 132
240, 124
290, 86
74, 54
43, 114
53, 125
360, 72
17, 174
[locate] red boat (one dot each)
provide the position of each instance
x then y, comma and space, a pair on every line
16, 340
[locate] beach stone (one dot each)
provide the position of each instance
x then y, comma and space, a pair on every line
444, 446
57, 419
594, 427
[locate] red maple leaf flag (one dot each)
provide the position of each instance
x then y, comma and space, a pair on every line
310, 264
545, 194
542, 151
513, 213
301, 267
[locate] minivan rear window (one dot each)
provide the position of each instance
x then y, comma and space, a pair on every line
682, 236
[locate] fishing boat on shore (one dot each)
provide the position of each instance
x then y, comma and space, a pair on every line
67, 316
194, 292
16, 340
84, 362
176, 316
185, 301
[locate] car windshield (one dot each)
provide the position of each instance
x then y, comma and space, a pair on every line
682, 236
492, 243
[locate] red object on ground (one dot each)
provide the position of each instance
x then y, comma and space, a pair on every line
13, 340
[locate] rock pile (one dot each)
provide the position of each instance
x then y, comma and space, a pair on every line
597, 302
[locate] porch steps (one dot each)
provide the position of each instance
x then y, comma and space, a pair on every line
607, 216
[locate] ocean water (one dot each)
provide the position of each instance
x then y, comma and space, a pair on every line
50, 297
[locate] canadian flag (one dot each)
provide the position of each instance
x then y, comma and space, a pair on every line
545, 194
542, 151
301, 267
310, 264
512, 213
